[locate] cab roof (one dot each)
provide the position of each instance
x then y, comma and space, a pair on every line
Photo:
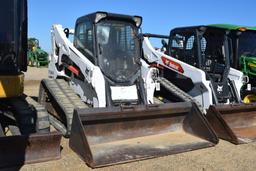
199, 27
233, 27
93, 17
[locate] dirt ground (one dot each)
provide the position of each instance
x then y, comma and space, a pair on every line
224, 156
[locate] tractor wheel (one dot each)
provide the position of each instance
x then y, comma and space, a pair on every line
249, 98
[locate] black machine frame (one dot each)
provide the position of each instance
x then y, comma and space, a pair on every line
17, 55
223, 88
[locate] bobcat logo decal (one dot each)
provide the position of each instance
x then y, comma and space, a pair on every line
220, 89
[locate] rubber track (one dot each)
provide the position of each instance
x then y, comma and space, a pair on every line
66, 99
178, 92
43, 124
1, 130
32, 117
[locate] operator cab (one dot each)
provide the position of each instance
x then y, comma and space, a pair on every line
208, 49
111, 42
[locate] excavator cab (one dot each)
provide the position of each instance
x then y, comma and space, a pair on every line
13, 37
211, 49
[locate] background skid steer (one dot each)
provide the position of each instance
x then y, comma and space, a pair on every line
103, 77
24, 124
197, 60
244, 56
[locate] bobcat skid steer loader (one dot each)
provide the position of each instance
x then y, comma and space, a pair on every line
244, 56
197, 60
101, 76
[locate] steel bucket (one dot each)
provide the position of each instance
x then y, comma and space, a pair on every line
107, 136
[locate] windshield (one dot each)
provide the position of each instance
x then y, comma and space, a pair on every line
184, 46
213, 51
208, 55
247, 44
118, 49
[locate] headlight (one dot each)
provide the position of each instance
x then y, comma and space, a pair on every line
138, 20
100, 16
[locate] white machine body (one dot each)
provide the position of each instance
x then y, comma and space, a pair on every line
61, 47
202, 91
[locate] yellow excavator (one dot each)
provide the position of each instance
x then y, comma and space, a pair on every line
25, 135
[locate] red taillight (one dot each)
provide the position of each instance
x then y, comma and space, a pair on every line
156, 66
171, 64
73, 70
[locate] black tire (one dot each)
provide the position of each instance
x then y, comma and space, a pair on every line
246, 95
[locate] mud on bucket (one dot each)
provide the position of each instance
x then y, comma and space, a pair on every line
107, 136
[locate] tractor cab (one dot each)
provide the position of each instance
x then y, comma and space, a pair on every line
245, 52
243, 56
243, 44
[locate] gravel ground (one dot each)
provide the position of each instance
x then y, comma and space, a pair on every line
224, 156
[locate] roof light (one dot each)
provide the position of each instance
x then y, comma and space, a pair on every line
138, 20
242, 29
100, 16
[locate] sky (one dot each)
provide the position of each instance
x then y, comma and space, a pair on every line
159, 16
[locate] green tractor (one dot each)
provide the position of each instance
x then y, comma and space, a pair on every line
36, 56
244, 56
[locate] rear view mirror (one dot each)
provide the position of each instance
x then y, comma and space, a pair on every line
66, 31
164, 43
